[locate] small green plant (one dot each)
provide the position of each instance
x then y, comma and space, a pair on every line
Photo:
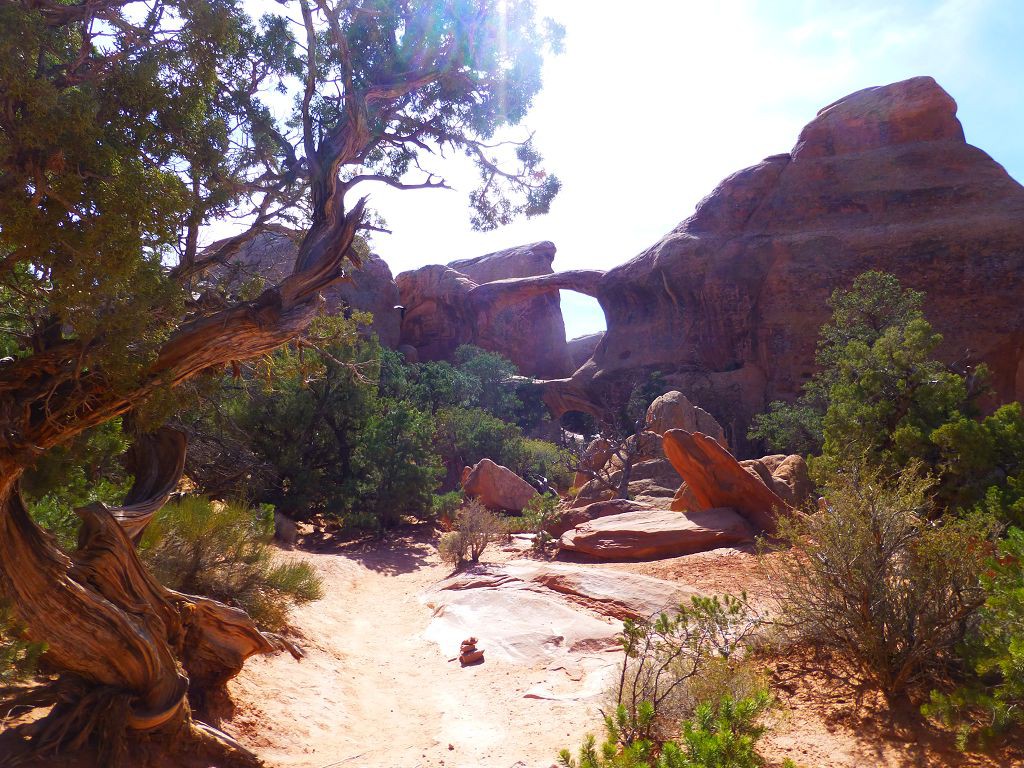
539, 515
720, 735
18, 656
222, 551
475, 528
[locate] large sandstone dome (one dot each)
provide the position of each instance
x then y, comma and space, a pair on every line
728, 305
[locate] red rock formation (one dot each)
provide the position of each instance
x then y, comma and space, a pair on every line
715, 479
506, 302
583, 347
271, 256
728, 305
496, 486
572, 517
674, 411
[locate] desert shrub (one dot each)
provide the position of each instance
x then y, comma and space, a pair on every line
539, 514
443, 506
463, 436
222, 551
18, 656
723, 734
398, 468
475, 528
540, 459
991, 699
452, 548
873, 580
667, 653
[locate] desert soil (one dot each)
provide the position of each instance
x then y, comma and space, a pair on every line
373, 692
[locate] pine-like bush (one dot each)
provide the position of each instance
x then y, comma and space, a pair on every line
223, 551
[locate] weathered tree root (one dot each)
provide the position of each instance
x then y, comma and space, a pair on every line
132, 652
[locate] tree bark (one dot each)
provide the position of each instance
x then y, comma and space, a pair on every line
135, 648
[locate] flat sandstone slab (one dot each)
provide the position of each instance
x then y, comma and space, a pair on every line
654, 533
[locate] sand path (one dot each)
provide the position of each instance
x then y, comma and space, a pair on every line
372, 692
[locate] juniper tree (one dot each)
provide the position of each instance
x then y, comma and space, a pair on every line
126, 126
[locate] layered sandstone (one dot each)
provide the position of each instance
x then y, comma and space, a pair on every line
506, 302
714, 479
728, 305
653, 533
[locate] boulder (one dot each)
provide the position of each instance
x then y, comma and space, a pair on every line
792, 482
285, 529
576, 516
674, 411
651, 533
497, 487
716, 479
881, 179
786, 475
595, 455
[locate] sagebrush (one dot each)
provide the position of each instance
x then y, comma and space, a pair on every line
222, 550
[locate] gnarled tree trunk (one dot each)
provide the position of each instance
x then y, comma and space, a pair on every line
130, 650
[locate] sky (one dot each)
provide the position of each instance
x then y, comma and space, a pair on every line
653, 102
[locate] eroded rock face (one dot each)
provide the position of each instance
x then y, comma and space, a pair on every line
271, 255
728, 305
497, 487
577, 516
522, 321
714, 479
786, 475
583, 347
651, 533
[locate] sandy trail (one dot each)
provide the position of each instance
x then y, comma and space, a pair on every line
372, 692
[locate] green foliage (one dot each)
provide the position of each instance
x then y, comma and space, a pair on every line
463, 436
338, 426
723, 734
888, 398
316, 435
443, 506
222, 551
982, 463
540, 513
874, 303
665, 654
18, 656
74, 475
398, 470
991, 700
475, 528
872, 579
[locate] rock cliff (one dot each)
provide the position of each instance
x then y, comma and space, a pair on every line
728, 305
